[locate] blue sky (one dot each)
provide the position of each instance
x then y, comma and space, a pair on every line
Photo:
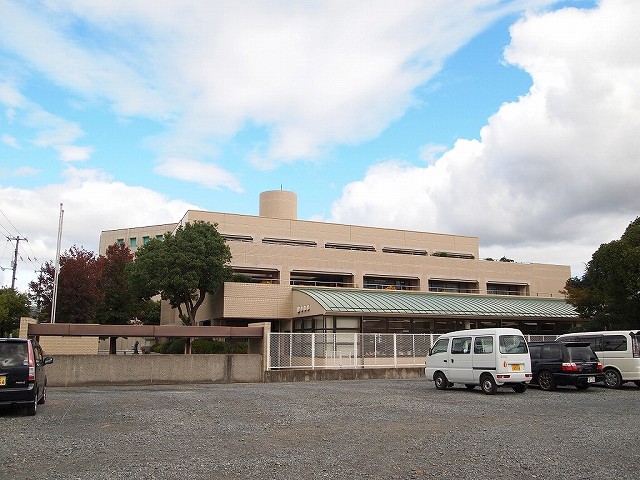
513, 121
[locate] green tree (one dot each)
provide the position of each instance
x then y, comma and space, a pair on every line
182, 268
117, 304
13, 305
149, 314
608, 294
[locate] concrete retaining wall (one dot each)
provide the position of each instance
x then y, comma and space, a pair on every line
343, 374
76, 370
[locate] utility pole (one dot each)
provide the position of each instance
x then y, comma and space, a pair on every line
15, 259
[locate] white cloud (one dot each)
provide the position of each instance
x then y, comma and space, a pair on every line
48, 130
559, 167
92, 202
313, 74
10, 96
206, 174
74, 153
10, 140
25, 172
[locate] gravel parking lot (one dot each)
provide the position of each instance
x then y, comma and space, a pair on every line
367, 429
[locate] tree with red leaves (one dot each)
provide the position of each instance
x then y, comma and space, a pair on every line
78, 293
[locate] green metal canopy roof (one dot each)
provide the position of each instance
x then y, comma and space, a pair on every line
338, 300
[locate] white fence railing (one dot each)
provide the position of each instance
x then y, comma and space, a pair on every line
353, 350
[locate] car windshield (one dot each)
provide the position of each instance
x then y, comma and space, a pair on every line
513, 344
581, 354
13, 354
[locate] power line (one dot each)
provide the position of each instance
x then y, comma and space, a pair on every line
14, 227
32, 259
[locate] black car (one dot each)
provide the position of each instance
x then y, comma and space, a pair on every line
570, 363
23, 380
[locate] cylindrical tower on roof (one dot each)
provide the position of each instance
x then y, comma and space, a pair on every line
279, 204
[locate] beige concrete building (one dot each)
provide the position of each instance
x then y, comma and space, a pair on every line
374, 277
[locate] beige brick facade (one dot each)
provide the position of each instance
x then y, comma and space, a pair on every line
278, 253
52, 345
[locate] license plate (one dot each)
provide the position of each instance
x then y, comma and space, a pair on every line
591, 380
515, 368
3, 381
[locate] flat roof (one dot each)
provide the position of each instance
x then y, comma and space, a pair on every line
339, 300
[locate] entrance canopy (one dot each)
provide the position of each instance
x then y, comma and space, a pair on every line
389, 302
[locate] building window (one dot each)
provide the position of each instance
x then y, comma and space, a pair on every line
507, 289
391, 283
120, 241
349, 246
160, 237
145, 240
453, 286
320, 279
133, 242
238, 238
404, 251
468, 256
289, 241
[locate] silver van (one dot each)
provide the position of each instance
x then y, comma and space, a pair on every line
485, 357
619, 352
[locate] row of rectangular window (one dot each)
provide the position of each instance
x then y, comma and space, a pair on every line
133, 241
344, 246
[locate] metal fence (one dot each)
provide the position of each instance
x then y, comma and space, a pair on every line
353, 350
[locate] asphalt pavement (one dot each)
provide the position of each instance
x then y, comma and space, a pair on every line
363, 429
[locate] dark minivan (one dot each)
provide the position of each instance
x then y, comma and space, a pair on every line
572, 363
23, 380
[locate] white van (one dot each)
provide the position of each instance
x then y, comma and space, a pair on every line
619, 352
489, 357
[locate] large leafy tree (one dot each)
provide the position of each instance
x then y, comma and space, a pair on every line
117, 304
182, 268
608, 294
91, 289
78, 293
13, 305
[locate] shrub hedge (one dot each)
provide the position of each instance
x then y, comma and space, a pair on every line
200, 345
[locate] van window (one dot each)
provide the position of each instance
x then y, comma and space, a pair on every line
483, 345
461, 345
595, 342
512, 344
13, 354
614, 343
440, 346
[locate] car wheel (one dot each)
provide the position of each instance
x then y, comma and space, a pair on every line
470, 386
546, 381
519, 388
32, 408
440, 380
612, 378
488, 384
43, 399
582, 387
